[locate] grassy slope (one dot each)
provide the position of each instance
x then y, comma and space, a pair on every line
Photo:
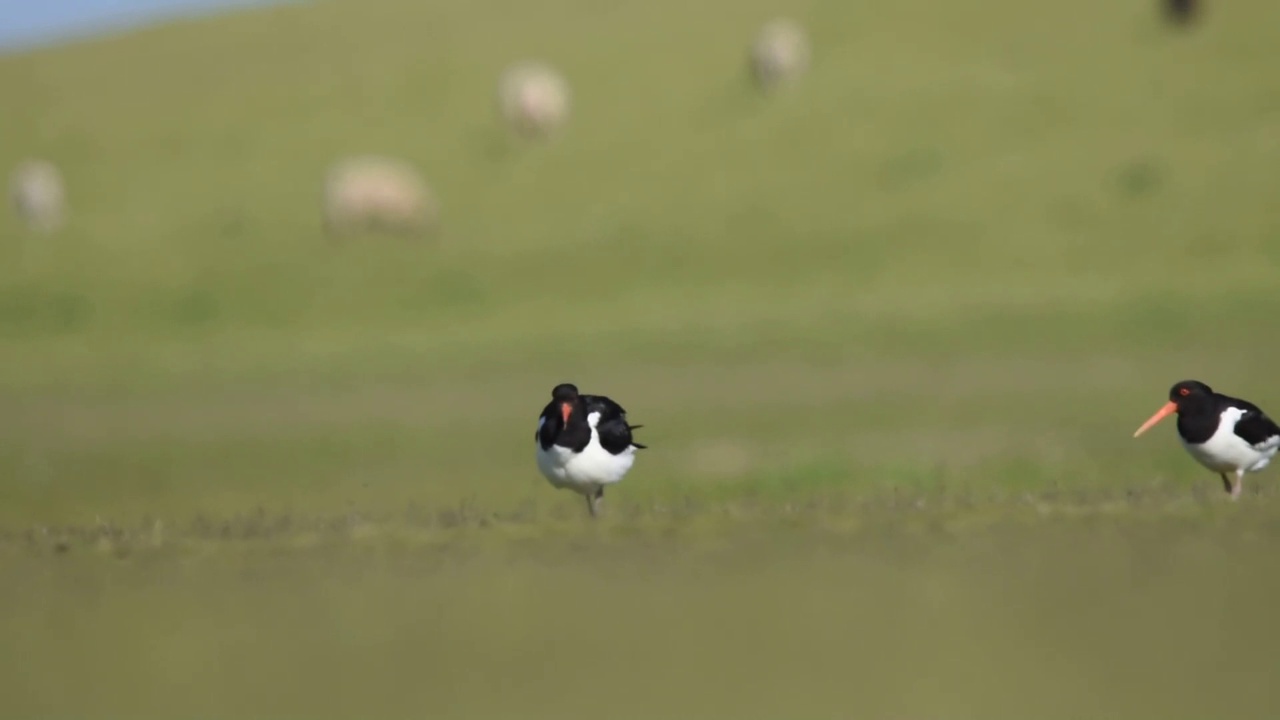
966, 258
977, 244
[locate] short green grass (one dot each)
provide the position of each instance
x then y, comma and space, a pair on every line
889, 334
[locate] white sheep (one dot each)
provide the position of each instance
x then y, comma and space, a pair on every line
378, 193
38, 195
533, 99
780, 53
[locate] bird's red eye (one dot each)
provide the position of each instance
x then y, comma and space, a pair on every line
1184, 392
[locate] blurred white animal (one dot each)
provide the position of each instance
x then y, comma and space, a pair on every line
780, 53
377, 193
533, 99
38, 195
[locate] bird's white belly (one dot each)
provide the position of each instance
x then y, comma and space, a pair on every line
593, 466
1228, 452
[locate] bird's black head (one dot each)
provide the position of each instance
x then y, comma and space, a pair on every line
1187, 398
566, 396
565, 392
1188, 391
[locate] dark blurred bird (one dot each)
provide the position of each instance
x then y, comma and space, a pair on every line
1225, 434
584, 443
1182, 12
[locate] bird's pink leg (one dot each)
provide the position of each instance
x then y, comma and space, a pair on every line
594, 496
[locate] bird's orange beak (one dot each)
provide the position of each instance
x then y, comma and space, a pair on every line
1164, 412
565, 411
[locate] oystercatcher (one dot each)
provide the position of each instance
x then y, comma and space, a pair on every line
584, 443
1225, 434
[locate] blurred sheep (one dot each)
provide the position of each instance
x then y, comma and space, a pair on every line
533, 99
377, 193
38, 195
780, 53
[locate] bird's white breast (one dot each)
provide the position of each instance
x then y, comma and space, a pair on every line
593, 466
1225, 451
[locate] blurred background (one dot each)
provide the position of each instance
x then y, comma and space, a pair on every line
283, 289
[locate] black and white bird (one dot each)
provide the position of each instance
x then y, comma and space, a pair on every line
1227, 435
584, 443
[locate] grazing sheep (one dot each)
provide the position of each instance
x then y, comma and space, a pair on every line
533, 99
377, 193
38, 195
780, 53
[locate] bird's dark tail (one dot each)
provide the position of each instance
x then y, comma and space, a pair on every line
635, 444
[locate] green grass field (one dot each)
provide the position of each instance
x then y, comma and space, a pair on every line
889, 334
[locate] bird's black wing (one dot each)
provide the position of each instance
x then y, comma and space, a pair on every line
1254, 427
614, 431
549, 423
